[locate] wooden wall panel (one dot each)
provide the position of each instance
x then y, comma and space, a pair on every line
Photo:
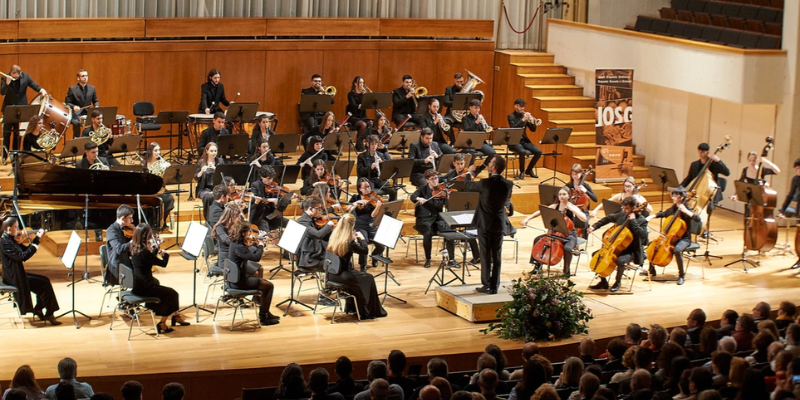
286, 73
172, 79
54, 72
240, 71
439, 28
340, 67
9, 29
478, 62
118, 78
205, 27
81, 28
323, 27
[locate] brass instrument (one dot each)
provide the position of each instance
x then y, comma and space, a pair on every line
8, 76
469, 87
328, 90
159, 167
484, 125
101, 135
418, 90
531, 118
48, 139
98, 165
442, 123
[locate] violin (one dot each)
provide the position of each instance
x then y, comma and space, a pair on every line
760, 228
441, 190
321, 221
274, 188
579, 198
255, 237
127, 231
660, 250
333, 180
604, 261
155, 242
24, 236
370, 198
550, 251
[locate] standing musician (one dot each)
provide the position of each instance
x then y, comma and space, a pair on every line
35, 126
404, 104
263, 156
628, 190
572, 212
313, 152
261, 211
217, 206
151, 157
241, 255
79, 97
211, 133
433, 120
104, 150
678, 196
380, 128
474, 122
145, 252
792, 196
261, 133
424, 153
118, 243
365, 212
368, 167
90, 157
311, 119
750, 172
206, 167
449, 93
717, 168
427, 211
327, 125
358, 116
345, 240
490, 218
13, 255
312, 247
634, 251
212, 94
15, 92
521, 119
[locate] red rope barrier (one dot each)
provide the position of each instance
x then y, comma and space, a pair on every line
508, 20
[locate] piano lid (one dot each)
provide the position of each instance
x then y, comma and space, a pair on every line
55, 179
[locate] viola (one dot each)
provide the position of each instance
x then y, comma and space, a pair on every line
371, 198
274, 188
760, 228
441, 190
321, 221
548, 250
604, 261
660, 250
579, 198
24, 236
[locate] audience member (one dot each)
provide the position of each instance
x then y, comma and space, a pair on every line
545, 392
68, 372
292, 385
533, 376
641, 380
679, 337
587, 348
761, 312
24, 380
727, 324
793, 339
656, 339
627, 361
65, 391
379, 389
783, 394
131, 390
594, 369
463, 395
529, 350
445, 389
727, 343
760, 343
700, 379
616, 349
587, 387
769, 325
378, 370
694, 325
669, 352
345, 385
745, 326
604, 393
173, 391
318, 384
672, 378
430, 392
721, 367
777, 367
571, 374
633, 335
14, 394
709, 395
485, 360
708, 342
753, 387
501, 360
786, 313
101, 396
397, 364
735, 378
684, 386
487, 382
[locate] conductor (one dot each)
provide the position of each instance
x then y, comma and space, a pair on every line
490, 221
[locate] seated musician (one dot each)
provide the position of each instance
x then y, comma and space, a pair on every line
365, 214
576, 175
509, 229
460, 172
327, 125
628, 190
210, 134
145, 252
634, 251
242, 256
572, 212
433, 120
212, 95
90, 157
261, 133
311, 119
118, 244
316, 182
13, 255
79, 96
358, 116
449, 93
313, 152
368, 167
35, 126
220, 232
151, 157
263, 156
678, 196
474, 122
312, 247
103, 149
404, 103
717, 168
521, 119
750, 173
380, 128
217, 206
261, 213
787, 210
427, 210
206, 166
424, 153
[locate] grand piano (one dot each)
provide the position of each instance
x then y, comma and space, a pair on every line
53, 197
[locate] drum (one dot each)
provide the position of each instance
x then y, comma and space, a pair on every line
198, 123
55, 115
119, 127
248, 127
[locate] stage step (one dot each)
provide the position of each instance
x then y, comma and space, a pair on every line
583, 149
464, 301
578, 137
564, 101
539, 68
555, 90
569, 113
527, 56
548, 79
575, 124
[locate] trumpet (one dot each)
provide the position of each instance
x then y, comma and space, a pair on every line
418, 91
535, 121
484, 125
8, 76
442, 123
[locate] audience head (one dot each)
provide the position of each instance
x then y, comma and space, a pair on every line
292, 379
616, 348
487, 380
781, 361
67, 369
343, 367
729, 317
721, 362
762, 341
24, 377
445, 390
533, 376
669, 352
678, 336
486, 360
318, 380
594, 369
587, 347
709, 395
545, 392
746, 323
640, 379
761, 311
727, 343
787, 309
65, 391
499, 356
572, 372
793, 334
131, 390
588, 385
101, 396
430, 392
437, 367
768, 325
643, 358
377, 370
379, 389
683, 383
696, 319
397, 362
477, 396
736, 373
658, 336
546, 364
173, 391
753, 386
676, 369
633, 334
627, 358
700, 379
708, 340
530, 349
462, 395
15, 394
604, 393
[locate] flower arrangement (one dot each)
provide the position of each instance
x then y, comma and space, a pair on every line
542, 309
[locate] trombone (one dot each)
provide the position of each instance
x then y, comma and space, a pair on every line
328, 90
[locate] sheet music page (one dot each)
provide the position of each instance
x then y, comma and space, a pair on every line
72, 250
292, 235
195, 236
388, 231
464, 219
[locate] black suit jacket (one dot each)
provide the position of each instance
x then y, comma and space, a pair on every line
214, 213
716, 168
470, 124
515, 121
419, 152
75, 97
210, 93
402, 105
312, 247
119, 248
12, 256
427, 213
353, 101
209, 135
240, 255
490, 213
449, 93
439, 135
16, 93
84, 163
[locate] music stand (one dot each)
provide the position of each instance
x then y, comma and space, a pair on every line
125, 144
73, 147
401, 141
17, 114
109, 114
391, 209
282, 144
68, 259
192, 244
555, 136
239, 173
548, 194
554, 219
342, 168
611, 207
456, 220
750, 194
463, 201
176, 175
461, 100
232, 145
666, 178
376, 101
315, 103
469, 140
290, 241
171, 118
397, 169
509, 137
286, 174
388, 233
241, 112
446, 162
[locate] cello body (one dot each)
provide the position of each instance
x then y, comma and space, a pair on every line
604, 261
549, 251
660, 250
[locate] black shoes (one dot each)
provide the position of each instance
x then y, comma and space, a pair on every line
519, 177
163, 328
796, 265
46, 318
268, 319
603, 284
531, 173
427, 264
483, 289
680, 280
324, 301
181, 323
475, 261
615, 287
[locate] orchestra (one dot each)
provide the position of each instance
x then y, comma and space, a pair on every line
234, 213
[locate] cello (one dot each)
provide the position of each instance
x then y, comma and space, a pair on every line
579, 198
548, 250
704, 185
660, 250
604, 261
760, 228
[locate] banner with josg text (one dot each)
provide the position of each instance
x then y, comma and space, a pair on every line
613, 123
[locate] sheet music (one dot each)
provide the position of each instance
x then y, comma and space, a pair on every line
292, 235
463, 219
195, 236
388, 231
72, 250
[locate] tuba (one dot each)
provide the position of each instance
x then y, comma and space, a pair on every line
48, 139
469, 87
101, 135
159, 167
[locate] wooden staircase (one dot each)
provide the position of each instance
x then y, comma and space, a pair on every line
553, 96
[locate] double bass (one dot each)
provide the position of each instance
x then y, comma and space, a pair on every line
704, 185
660, 250
604, 261
760, 228
548, 250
